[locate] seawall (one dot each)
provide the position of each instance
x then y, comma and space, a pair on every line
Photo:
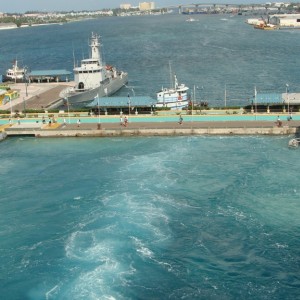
150, 129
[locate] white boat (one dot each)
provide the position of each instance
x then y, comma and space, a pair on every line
15, 74
175, 97
93, 78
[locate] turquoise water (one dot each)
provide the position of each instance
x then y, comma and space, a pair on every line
149, 218
155, 218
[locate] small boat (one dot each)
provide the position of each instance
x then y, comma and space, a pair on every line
266, 26
175, 97
15, 73
93, 78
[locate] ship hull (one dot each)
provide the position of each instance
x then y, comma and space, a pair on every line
173, 105
104, 90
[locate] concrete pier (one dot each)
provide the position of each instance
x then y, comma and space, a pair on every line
36, 95
152, 129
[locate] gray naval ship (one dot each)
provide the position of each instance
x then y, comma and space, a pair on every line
94, 79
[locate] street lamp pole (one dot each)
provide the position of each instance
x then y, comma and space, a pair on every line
25, 78
68, 109
10, 107
225, 96
129, 99
193, 100
24, 106
128, 104
98, 109
255, 101
287, 97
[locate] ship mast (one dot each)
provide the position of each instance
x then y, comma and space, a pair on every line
171, 76
95, 48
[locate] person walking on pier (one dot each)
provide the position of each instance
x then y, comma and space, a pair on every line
278, 122
180, 120
78, 122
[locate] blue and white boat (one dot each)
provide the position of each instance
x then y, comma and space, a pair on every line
175, 97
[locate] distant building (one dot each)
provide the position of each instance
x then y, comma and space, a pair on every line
34, 15
286, 20
125, 6
146, 6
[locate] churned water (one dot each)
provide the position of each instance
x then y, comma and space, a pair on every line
154, 218
149, 218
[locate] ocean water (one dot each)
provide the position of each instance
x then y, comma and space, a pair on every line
214, 52
154, 218
149, 218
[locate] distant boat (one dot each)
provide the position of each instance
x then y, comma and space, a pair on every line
266, 26
93, 78
175, 97
15, 73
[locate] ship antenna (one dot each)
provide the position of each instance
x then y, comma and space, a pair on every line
82, 52
171, 77
73, 55
102, 54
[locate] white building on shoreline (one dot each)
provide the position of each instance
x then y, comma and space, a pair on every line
146, 6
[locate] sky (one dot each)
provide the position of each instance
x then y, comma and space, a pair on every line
21, 6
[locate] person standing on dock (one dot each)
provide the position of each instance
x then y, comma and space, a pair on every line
78, 122
180, 120
121, 121
278, 123
19, 122
125, 121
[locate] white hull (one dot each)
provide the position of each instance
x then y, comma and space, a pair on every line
15, 74
93, 78
104, 90
174, 98
173, 105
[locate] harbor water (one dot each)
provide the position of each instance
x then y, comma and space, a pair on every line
193, 217
212, 53
149, 218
